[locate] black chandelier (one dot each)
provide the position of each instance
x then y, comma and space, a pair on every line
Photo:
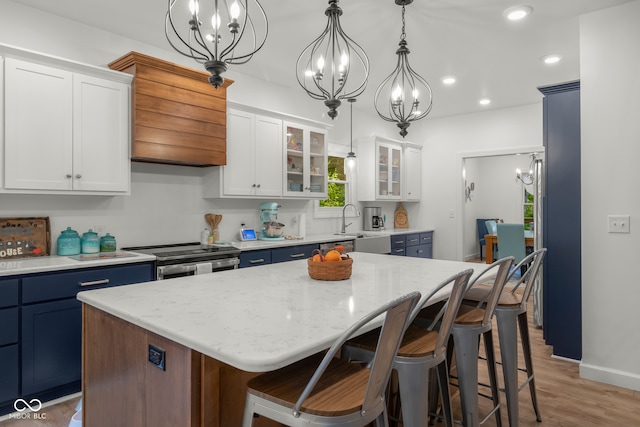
404, 96
333, 67
208, 43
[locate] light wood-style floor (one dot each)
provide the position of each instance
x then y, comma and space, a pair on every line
565, 399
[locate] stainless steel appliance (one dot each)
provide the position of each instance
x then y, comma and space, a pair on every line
188, 259
373, 219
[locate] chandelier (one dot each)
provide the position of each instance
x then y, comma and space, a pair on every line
333, 67
403, 96
195, 29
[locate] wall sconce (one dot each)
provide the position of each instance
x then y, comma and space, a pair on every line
525, 177
467, 191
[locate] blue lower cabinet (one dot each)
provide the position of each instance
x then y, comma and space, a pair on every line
51, 345
292, 253
8, 326
398, 243
9, 368
418, 245
255, 258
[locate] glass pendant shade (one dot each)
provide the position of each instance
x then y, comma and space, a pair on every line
404, 96
216, 33
351, 156
333, 67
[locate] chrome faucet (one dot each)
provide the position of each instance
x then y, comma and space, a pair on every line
344, 224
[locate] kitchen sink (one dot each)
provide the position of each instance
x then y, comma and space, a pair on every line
371, 243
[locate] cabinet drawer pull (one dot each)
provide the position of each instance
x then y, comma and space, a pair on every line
399, 250
413, 240
420, 251
397, 242
256, 261
95, 282
297, 255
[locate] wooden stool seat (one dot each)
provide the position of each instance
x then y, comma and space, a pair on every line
340, 391
416, 342
507, 298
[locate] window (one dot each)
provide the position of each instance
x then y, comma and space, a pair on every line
340, 186
528, 209
337, 186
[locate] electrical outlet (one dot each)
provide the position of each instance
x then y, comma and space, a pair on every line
157, 357
619, 223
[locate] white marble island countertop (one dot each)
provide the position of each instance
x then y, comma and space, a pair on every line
263, 318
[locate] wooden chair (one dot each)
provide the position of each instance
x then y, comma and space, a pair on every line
421, 349
511, 311
511, 241
324, 390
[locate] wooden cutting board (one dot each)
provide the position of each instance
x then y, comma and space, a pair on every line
400, 217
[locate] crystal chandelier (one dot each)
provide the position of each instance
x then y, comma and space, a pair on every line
403, 96
333, 67
209, 43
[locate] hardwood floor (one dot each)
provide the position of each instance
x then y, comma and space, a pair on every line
565, 399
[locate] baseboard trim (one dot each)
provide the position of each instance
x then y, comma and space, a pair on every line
610, 376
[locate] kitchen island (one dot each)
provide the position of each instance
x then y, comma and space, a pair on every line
180, 351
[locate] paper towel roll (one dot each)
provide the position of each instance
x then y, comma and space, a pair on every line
204, 268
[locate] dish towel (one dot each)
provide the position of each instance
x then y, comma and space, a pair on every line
204, 268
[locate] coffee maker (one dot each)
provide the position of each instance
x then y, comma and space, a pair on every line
373, 219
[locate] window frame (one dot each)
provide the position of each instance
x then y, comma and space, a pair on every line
336, 150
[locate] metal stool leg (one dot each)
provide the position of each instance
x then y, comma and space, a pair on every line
443, 382
466, 351
526, 349
507, 334
493, 375
413, 381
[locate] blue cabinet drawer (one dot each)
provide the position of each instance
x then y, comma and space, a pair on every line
397, 242
8, 293
255, 258
419, 251
9, 389
426, 238
412, 239
52, 286
9, 326
292, 253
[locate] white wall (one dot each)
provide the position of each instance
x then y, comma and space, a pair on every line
610, 117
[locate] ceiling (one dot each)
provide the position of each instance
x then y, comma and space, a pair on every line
470, 39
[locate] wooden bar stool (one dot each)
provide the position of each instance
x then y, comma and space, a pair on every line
472, 323
421, 349
511, 312
324, 390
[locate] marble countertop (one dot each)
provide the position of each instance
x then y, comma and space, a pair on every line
262, 318
16, 266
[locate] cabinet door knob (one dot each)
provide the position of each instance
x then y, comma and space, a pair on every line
69, 175
254, 186
258, 186
78, 176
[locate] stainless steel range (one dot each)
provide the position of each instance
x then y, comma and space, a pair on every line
188, 259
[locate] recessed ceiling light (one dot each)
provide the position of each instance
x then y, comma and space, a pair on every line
551, 59
449, 80
517, 13
485, 101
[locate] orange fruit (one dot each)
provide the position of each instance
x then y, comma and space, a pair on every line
317, 258
339, 248
333, 256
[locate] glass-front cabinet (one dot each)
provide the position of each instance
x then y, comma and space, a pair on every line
305, 162
389, 171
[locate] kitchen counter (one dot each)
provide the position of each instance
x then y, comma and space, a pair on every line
321, 238
189, 345
16, 266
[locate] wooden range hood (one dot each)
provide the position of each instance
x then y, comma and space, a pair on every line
177, 116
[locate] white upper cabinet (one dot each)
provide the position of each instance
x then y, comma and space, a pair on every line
254, 158
305, 161
65, 130
388, 170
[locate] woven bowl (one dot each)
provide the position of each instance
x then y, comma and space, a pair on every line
330, 270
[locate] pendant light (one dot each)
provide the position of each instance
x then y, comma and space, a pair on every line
351, 156
207, 41
333, 67
404, 96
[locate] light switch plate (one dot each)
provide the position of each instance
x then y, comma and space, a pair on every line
619, 223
